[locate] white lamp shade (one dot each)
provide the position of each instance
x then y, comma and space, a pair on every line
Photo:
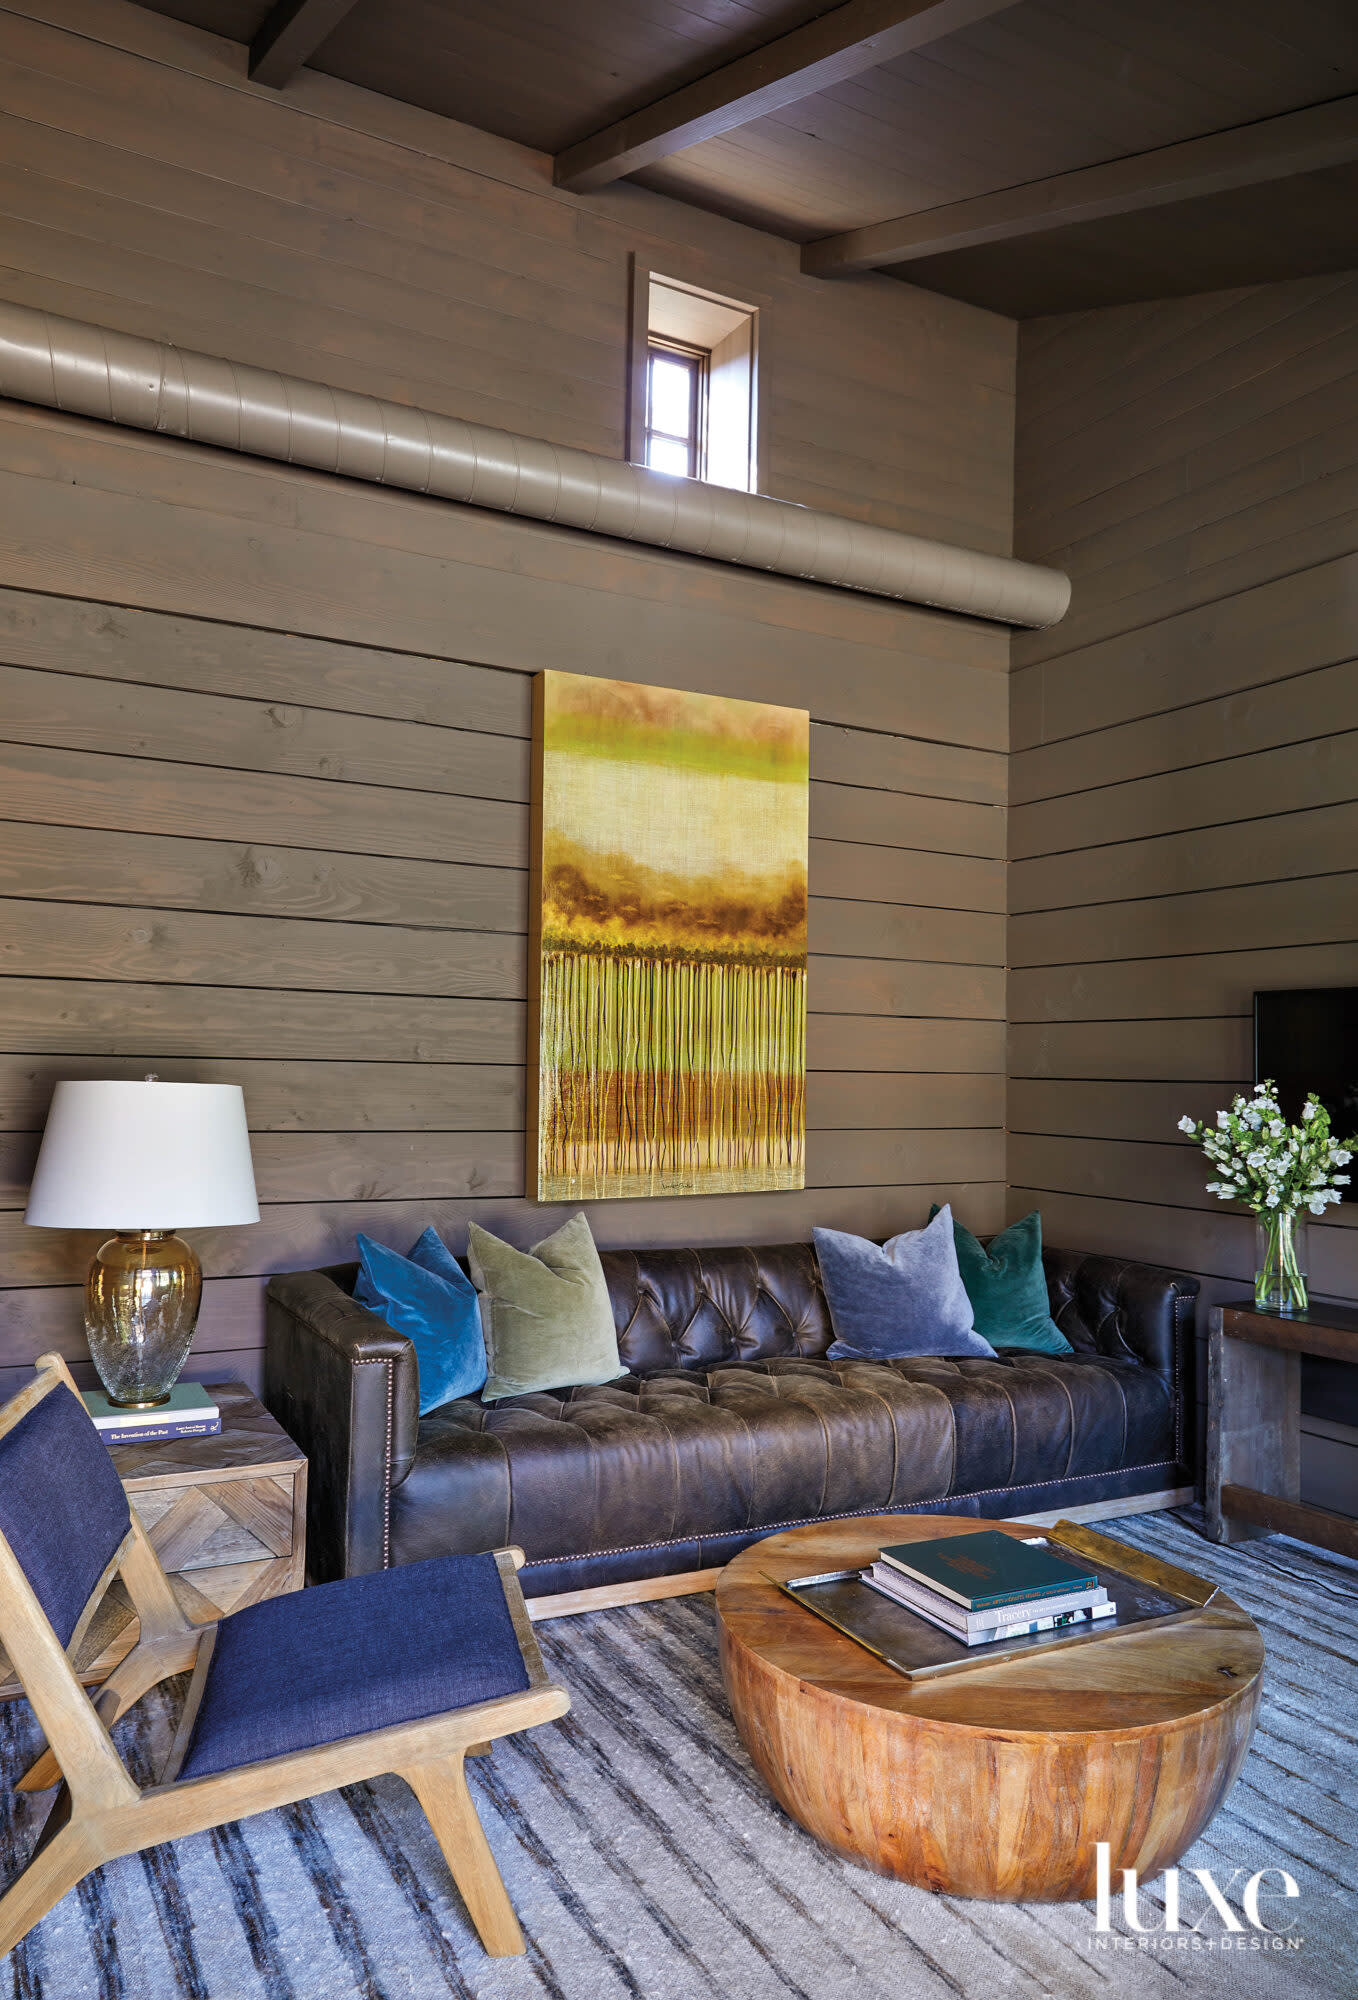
144, 1156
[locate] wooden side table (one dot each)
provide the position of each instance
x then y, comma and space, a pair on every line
1254, 1422
225, 1514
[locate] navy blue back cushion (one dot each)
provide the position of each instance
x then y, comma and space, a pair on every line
345, 1658
62, 1506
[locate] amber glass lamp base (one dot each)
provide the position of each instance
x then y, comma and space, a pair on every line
141, 1307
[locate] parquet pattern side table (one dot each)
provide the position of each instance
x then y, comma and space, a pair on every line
226, 1515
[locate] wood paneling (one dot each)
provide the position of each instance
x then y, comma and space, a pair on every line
1159, 1171
1312, 140
1036, 90
370, 245
822, 52
51, 941
1214, 1246
1172, 988
255, 736
290, 1097
1185, 761
123, 644
263, 544
1284, 229
1265, 850
42, 1307
263, 734
317, 1094
305, 1234
92, 862
1149, 1051
997, 104
861, 928
1137, 1110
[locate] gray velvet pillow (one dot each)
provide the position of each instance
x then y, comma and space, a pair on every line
907, 1298
545, 1312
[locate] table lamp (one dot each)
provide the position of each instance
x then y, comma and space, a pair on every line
143, 1159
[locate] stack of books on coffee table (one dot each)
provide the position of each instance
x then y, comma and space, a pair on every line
989, 1586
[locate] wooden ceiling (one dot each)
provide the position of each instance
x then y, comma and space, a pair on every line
1032, 156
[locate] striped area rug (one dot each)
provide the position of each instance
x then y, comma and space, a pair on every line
647, 1862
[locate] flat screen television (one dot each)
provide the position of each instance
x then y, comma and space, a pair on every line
1307, 1040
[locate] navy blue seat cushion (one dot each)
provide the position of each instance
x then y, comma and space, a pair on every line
342, 1659
62, 1506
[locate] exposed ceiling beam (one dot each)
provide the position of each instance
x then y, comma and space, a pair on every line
292, 31
843, 43
1271, 149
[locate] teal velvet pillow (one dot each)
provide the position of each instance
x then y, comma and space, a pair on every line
1008, 1287
429, 1298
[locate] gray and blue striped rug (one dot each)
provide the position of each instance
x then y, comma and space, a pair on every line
647, 1862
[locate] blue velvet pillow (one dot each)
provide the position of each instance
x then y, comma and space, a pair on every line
907, 1298
428, 1297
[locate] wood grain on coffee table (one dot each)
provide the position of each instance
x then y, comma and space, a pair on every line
995, 1782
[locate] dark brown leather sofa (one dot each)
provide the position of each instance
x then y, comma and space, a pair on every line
730, 1424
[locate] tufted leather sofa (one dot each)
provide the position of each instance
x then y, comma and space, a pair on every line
729, 1425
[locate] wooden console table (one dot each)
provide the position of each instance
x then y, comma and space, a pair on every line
1254, 1422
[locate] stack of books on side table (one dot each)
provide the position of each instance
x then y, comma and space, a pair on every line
989, 1586
189, 1412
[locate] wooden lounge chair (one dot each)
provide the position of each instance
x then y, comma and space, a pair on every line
410, 1670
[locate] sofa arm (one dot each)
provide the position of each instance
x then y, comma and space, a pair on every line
346, 1389
1131, 1312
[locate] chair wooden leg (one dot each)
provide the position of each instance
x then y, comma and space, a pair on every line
51, 1874
41, 1775
442, 1791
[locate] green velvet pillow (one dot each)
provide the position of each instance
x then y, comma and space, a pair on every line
1008, 1287
545, 1312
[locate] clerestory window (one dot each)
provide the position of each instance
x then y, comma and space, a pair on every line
693, 383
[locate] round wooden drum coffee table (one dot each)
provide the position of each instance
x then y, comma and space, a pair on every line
997, 1782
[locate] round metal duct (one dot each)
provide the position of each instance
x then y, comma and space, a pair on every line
92, 371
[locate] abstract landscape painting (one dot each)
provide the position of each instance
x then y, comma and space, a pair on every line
669, 958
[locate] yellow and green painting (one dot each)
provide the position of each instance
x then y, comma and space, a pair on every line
671, 942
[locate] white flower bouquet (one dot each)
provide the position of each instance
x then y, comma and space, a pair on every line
1277, 1170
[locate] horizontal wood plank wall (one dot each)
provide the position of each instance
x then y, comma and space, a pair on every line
338, 235
1185, 747
263, 734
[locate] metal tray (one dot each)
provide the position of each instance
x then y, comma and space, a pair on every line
919, 1650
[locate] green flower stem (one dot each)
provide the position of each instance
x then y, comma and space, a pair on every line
1280, 1282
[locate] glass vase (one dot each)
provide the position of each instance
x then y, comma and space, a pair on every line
1280, 1261
141, 1305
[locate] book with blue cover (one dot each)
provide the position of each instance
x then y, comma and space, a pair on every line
988, 1568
